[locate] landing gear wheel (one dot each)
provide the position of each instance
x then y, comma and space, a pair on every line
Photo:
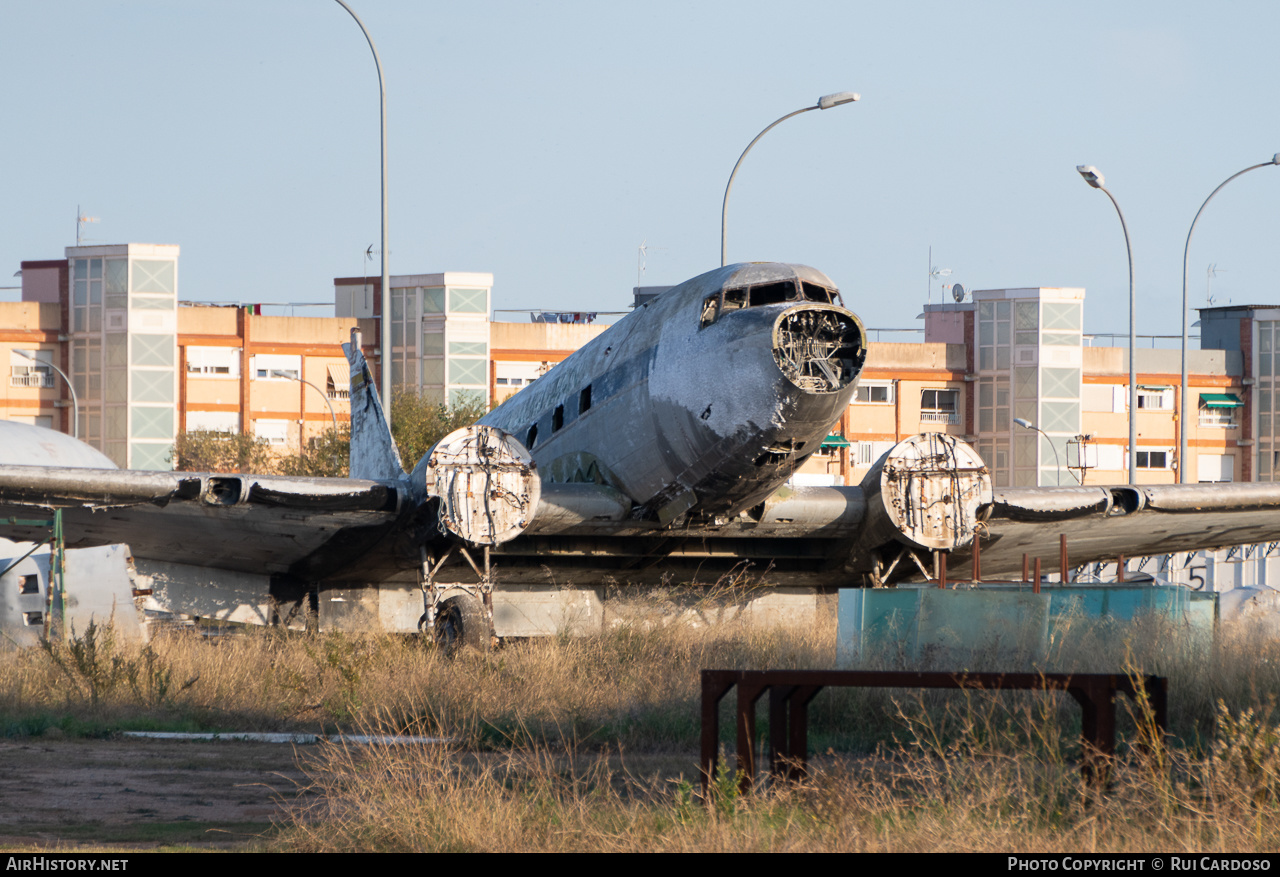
460, 623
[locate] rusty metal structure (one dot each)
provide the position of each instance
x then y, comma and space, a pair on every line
791, 691
659, 451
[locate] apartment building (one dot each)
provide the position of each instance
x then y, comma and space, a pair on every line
146, 366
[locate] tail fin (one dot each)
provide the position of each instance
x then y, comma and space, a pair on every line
373, 452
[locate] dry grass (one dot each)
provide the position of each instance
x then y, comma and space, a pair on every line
590, 743
976, 791
635, 685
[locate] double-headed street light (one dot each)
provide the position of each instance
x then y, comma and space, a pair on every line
1095, 179
1182, 432
825, 102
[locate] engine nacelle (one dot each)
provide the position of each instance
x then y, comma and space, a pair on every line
925, 493
486, 482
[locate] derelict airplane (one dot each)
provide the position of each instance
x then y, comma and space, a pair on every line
657, 452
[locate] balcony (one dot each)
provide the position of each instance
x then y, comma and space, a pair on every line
40, 380
939, 417
1220, 418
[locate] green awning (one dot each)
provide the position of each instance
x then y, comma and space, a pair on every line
1220, 400
835, 441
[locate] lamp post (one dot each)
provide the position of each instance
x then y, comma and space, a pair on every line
323, 394
385, 321
1095, 179
1027, 424
1182, 433
825, 102
75, 403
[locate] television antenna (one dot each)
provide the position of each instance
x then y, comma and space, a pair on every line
934, 271
1209, 273
81, 219
642, 259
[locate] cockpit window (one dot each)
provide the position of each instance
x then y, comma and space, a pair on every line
762, 294
772, 294
813, 292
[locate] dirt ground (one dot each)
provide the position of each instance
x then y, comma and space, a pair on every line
142, 792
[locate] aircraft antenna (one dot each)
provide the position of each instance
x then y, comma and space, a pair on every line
80, 220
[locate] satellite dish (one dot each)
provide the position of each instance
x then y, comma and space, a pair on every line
957, 292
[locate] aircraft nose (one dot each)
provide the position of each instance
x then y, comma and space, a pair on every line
820, 349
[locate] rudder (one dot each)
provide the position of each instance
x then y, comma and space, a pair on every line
374, 456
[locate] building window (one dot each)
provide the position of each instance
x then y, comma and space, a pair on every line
276, 367
939, 406
1155, 398
213, 421
871, 393
213, 362
1219, 410
274, 432
337, 382
1154, 459
33, 372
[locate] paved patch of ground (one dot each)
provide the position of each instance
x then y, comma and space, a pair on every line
147, 791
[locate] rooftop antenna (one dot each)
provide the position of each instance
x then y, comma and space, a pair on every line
934, 272
641, 264
1209, 273
80, 220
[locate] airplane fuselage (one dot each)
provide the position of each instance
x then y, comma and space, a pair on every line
701, 401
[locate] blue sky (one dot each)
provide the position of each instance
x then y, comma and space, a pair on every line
545, 142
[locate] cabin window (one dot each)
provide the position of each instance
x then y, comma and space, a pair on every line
557, 418
29, 584
531, 437
584, 399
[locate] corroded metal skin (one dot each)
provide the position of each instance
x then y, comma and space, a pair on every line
373, 452
486, 483
697, 403
926, 493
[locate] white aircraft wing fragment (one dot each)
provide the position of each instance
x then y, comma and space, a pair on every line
252, 523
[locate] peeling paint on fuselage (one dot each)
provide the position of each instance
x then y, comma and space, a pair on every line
676, 409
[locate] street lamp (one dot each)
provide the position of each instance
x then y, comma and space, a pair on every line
1182, 433
385, 334
825, 102
1095, 179
323, 394
75, 403
1027, 424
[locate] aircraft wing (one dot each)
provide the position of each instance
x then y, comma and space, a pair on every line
249, 523
1102, 523
930, 493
